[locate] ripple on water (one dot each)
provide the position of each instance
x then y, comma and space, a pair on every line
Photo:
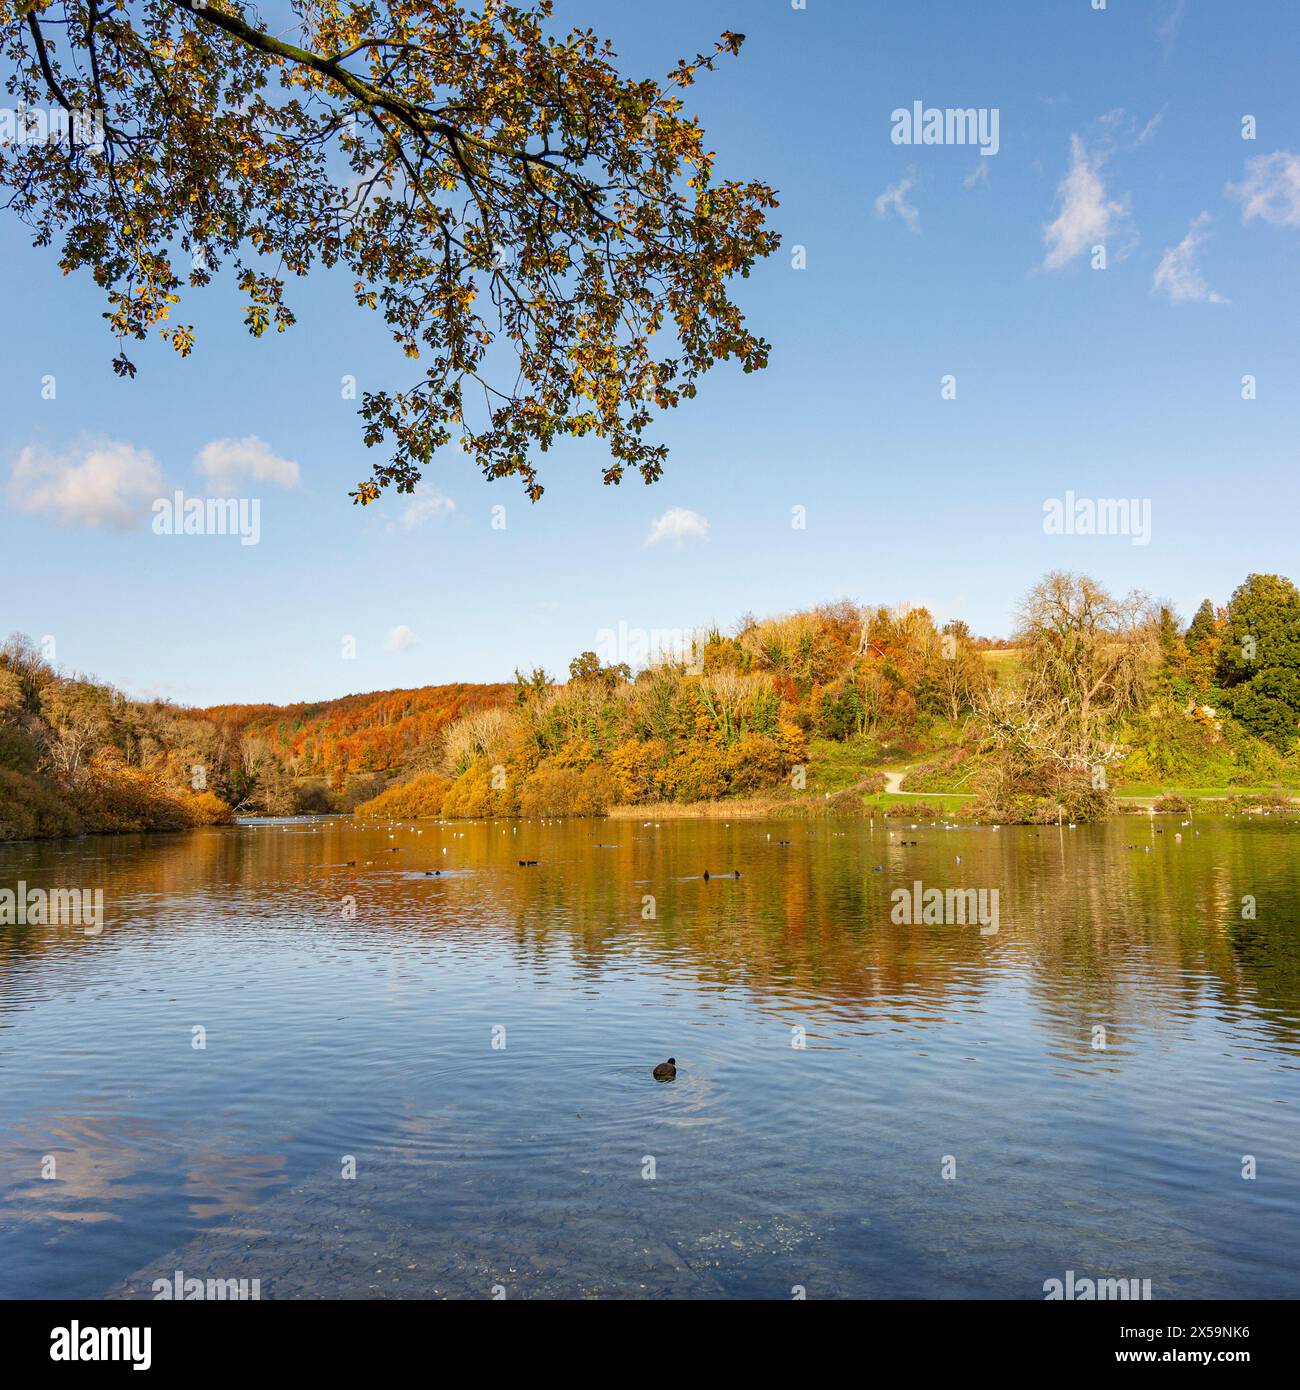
830, 1061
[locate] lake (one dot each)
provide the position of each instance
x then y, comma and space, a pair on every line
417, 1087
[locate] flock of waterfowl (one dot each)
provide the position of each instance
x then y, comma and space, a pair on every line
667, 1071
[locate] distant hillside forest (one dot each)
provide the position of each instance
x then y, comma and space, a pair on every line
1093, 693
78, 756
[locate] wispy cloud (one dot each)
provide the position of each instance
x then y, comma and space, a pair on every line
227, 463
425, 504
979, 174
1087, 217
94, 483
401, 639
1116, 130
1148, 131
1177, 275
1270, 189
1170, 23
895, 196
678, 524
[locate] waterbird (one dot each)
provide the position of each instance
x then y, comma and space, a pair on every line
666, 1071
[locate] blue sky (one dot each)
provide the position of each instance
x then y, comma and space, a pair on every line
1120, 127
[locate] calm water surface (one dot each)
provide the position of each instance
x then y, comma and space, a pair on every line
370, 1033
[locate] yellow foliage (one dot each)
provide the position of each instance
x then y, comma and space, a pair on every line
553, 790
636, 770
207, 808
421, 796
473, 794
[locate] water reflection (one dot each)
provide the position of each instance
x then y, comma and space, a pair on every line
830, 1059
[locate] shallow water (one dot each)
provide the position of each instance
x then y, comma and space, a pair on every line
353, 1012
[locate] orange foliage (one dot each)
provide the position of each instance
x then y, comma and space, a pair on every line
358, 733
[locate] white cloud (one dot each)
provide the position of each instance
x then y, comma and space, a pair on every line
895, 196
1087, 216
676, 524
103, 483
401, 639
1167, 29
226, 462
1270, 189
424, 504
1177, 275
979, 174
1148, 131
1117, 130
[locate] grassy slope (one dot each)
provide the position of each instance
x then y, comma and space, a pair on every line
834, 767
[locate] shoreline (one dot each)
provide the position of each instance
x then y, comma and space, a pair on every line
887, 805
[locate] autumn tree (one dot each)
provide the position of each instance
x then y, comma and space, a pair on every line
586, 667
1203, 640
963, 676
547, 236
532, 686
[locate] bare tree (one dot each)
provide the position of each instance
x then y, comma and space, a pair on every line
1086, 658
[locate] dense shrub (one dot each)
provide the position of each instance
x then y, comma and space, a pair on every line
1041, 797
30, 810
914, 810
1274, 799
207, 808
421, 796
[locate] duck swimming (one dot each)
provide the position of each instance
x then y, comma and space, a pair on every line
666, 1071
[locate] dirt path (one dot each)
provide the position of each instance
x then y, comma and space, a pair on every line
894, 785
